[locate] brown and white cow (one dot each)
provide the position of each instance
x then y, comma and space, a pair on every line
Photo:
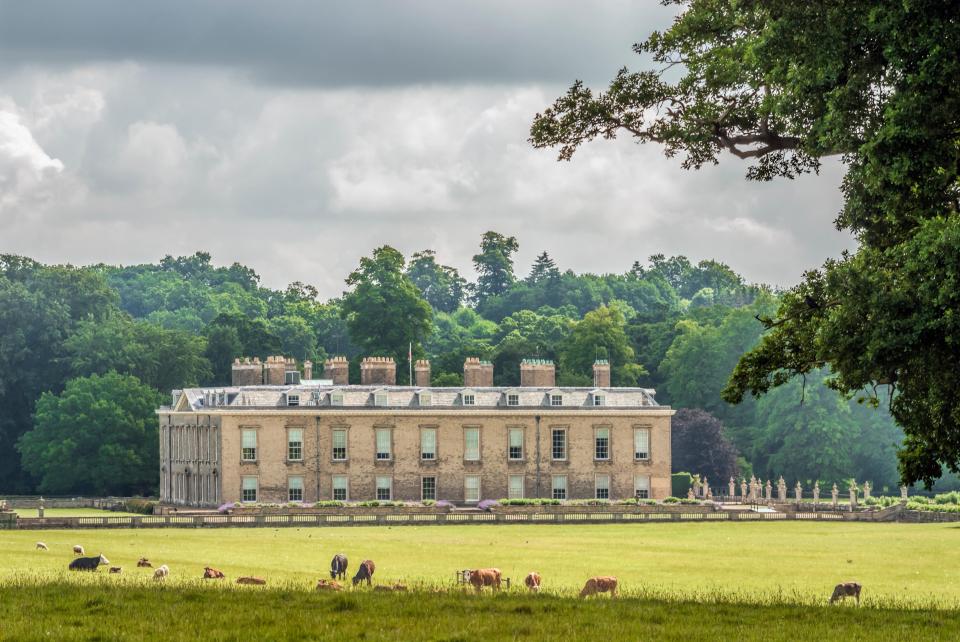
845, 590
210, 573
532, 580
329, 585
600, 584
257, 581
365, 572
485, 577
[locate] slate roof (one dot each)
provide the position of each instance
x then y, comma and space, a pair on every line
407, 397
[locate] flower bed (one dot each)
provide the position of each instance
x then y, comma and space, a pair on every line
336, 508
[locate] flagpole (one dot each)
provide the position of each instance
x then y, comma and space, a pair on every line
410, 363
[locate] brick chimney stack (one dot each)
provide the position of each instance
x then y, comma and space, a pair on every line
421, 373
338, 369
308, 369
378, 370
537, 373
601, 373
274, 371
246, 372
477, 373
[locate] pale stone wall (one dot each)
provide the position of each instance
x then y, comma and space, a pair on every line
406, 467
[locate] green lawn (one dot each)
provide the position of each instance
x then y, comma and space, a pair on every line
70, 512
101, 611
912, 564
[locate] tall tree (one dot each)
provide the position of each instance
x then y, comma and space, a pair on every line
699, 446
601, 334
441, 285
494, 265
99, 437
785, 84
385, 311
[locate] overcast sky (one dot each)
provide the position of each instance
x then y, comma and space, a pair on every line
294, 137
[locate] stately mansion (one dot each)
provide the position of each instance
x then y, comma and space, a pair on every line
277, 435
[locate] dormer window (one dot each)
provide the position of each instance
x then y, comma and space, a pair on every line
426, 398
336, 398
380, 398
468, 397
293, 400
599, 398
556, 399
513, 398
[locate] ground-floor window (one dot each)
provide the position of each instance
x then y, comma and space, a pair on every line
340, 488
641, 487
248, 489
559, 487
515, 491
295, 489
384, 488
428, 488
602, 487
471, 488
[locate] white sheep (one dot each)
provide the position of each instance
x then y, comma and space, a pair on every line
161, 572
42, 547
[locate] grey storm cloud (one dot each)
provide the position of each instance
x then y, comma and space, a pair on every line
381, 42
295, 137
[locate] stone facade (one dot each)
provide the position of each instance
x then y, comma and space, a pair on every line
587, 437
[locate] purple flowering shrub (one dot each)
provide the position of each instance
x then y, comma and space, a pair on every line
224, 508
487, 504
444, 504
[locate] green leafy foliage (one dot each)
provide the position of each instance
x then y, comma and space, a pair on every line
98, 437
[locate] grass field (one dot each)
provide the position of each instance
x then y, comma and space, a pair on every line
800, 561
101, 611
70, 512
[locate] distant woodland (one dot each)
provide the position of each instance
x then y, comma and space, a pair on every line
88, 353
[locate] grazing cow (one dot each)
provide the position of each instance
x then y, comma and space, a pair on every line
116, 569
845, 590
338, 567
392, 588
161, 572
259, 581
365, 572
532, 580
88, 563
143, 562
329, 585
485, 577
600, 585
212, 574
42, 547
78, 550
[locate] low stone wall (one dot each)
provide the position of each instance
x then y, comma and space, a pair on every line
31, 501
927, 517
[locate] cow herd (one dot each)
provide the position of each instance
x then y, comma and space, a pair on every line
477, 578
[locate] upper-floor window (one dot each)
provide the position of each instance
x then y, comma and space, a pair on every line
248, 445
471, 444
601, 443
515, 447
295, 444
469, 399
559, 443
599, 399
641, 443
383, 443
428, 443
556, 399
293, 400
513, 399
339, 450
336, 398
380, 398
426, 398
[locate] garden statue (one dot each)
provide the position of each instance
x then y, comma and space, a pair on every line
798, 492
853, 494
743, 490
835, 493
690, 494
733, 488
781, 490
866, 490
816, 494
903, 493
769, 490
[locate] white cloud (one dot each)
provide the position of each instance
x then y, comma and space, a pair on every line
25, 168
